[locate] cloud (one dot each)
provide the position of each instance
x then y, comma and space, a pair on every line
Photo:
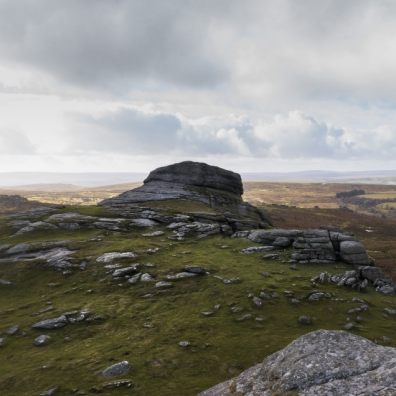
292, 135
15, 143
114, 45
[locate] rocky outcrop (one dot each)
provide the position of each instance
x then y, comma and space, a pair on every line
319, 363
198, 174
359, 279
221, 190
312, 246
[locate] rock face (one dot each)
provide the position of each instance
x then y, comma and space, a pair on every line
197, 174
319, 363
215, 187
312, 246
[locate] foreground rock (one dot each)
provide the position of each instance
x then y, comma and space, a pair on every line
221, 190
319, 363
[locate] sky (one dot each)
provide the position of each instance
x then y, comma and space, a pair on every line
253, 85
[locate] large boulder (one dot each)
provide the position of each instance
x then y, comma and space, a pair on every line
319, 363
218, 189
198, 174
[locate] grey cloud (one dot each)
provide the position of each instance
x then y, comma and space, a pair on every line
115, 45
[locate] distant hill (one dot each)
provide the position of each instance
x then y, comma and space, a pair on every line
47, 181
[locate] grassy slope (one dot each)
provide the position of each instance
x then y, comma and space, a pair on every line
221, 345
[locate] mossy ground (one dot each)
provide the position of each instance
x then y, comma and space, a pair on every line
221, 346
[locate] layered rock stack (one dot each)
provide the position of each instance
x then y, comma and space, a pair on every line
217, 188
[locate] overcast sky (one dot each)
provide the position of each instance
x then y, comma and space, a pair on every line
252, 85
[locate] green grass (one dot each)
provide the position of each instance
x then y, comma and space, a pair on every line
221, 346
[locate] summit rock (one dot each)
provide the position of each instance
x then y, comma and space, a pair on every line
217, 189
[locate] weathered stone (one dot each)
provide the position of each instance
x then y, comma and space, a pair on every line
111, 256
196, 270
12, 330
257, 249
217, 188
154, 234
180, 275
116, 369
163, 285
50, 324
121, 272
319, 363
41, 340
305, 320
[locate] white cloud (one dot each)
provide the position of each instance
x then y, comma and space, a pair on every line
15, 143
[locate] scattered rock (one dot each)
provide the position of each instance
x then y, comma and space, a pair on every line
123, 383
50, 324
135, 278
305, 320
257, 249
117, 369
184, 344
41, 340
390, 311
154, 234
2, 341
111, 256
317, 296
349, 326
196, 270
121, 272
146, 277
180, 275
207, 313
12, 330
257, 302
163, 285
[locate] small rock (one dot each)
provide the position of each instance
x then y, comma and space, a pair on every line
184, 344
305, 320
349, 326
2, 341
163, 285
196, 270
231, 281
134, 279
41, 340
153, 234
180, 275
50, 324
118, 384
244, 317
119, 273
146, 277
257, 249
390, 311
12, 330
257, 301
5, 282
207, 313
116, 369
109, 257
